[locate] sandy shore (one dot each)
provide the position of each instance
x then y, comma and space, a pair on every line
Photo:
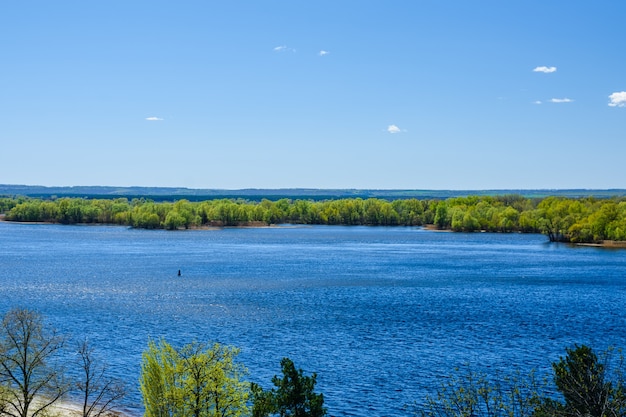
69, 408
66, 409
617, 244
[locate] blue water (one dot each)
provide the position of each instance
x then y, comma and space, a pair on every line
379, 313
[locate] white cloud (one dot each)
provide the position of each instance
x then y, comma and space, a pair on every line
618, 99
561, 100
283, 48
545, 70
322, 53
538, 102
153, 119
394, 129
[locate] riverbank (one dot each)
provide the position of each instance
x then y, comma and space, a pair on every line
611, 244
69, 408
616, 244
66, 409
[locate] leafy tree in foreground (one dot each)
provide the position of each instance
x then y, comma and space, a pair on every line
584, 382
292, 397
196, 380
26, 349
472, 394
157, 380
584, 386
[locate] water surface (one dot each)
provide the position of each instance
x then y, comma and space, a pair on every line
379, 313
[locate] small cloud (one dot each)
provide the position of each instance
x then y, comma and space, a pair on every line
537, 102
561, 100
394, 129
322, 53
618, 99
154, 119
283, 48
545, 70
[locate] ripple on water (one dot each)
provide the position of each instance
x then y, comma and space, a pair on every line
381, 314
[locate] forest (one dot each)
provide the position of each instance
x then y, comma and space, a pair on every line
561, 219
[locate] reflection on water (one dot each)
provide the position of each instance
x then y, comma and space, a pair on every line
378, 313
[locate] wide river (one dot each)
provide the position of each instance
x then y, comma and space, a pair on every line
380, 314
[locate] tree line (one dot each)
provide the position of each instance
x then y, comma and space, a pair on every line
580, 220
205, 380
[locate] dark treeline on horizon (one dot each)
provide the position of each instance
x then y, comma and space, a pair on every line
254, 194
577, 220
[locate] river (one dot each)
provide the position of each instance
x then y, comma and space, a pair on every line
381, 314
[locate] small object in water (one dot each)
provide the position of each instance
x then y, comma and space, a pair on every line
179, 272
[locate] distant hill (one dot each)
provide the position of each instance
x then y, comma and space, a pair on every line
254, 194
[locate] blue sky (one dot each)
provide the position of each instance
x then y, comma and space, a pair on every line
412, 94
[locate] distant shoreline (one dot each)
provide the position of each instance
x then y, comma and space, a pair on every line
609, 244
248, 225
605, 244
257, 194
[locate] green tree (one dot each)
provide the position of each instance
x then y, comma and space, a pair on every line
188, 213
213, 381
173, 220
456, 214
509, 220
467, 393
194, 381
582, 380
410, 211
157, 381
441, 215
28, 349
293, 395
470, 223
300, 212
7, 204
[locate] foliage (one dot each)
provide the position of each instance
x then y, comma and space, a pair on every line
561, 219
293, 395
583, 380
584, 386
27, 350
472, 394
196, 380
